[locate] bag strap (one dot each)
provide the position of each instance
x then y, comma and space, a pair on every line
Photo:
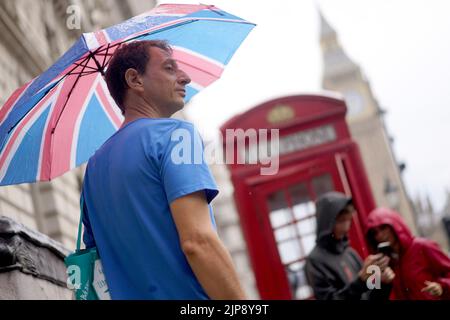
80, 225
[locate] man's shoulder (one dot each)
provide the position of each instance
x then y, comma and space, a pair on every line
322, 255
316, 255
317, 261
165, 128
175, 122
166, 124
156, 131
159, 130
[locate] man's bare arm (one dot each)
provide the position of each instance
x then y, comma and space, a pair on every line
205, 252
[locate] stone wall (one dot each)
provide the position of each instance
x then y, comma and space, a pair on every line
31, 264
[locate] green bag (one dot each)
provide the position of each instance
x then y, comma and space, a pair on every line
84, 269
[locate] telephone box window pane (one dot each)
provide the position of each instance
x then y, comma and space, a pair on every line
280, 213
303, 210
289, 250
306, 226
285, 233
300, 200
280, 217
322, 184
308, 243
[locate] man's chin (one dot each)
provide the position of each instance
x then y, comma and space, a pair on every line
178, 106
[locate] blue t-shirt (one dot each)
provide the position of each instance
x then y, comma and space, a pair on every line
128, 186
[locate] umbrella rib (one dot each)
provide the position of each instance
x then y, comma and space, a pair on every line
104, 48
80, 65
86, 59
100, 53
105, 56
87, 73
70, 93
212, 8
99, 67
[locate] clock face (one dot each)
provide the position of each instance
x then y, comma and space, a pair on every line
354, 101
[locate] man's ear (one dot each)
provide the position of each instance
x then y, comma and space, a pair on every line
134, 80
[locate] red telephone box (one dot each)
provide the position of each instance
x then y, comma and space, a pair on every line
316, 154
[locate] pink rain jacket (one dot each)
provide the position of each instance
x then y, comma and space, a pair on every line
420, 259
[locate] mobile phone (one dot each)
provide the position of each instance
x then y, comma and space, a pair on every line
385, 248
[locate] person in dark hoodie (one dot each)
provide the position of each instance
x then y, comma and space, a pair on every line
422, 269
334, 270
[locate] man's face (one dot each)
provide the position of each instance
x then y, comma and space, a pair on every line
343, 222
164, 84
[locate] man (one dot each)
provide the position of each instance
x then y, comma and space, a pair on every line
423, 268
334, 270
149, 215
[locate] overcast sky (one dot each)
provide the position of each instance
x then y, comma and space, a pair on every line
403, 47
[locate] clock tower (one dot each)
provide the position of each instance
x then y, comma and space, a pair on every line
365, 119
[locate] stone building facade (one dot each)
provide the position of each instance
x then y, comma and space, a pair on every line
430, 222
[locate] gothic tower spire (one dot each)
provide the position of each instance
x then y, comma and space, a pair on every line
336, 61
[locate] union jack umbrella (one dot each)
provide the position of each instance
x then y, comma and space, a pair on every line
58, 120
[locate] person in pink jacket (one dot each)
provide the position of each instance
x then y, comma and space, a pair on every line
422, 269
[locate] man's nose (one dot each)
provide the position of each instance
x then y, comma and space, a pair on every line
183, 78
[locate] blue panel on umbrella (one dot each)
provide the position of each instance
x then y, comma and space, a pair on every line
24, 165
95, 129
199, 35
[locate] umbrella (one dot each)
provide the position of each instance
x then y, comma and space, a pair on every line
55, 122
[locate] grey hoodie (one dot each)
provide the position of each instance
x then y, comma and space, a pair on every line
332, 267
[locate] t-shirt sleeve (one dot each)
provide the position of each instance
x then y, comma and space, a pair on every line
183, 166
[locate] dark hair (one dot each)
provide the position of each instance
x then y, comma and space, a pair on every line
134, 55
349, 208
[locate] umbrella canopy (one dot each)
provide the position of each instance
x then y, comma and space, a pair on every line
57, 121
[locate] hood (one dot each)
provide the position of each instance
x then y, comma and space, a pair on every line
385, 216
328, 207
